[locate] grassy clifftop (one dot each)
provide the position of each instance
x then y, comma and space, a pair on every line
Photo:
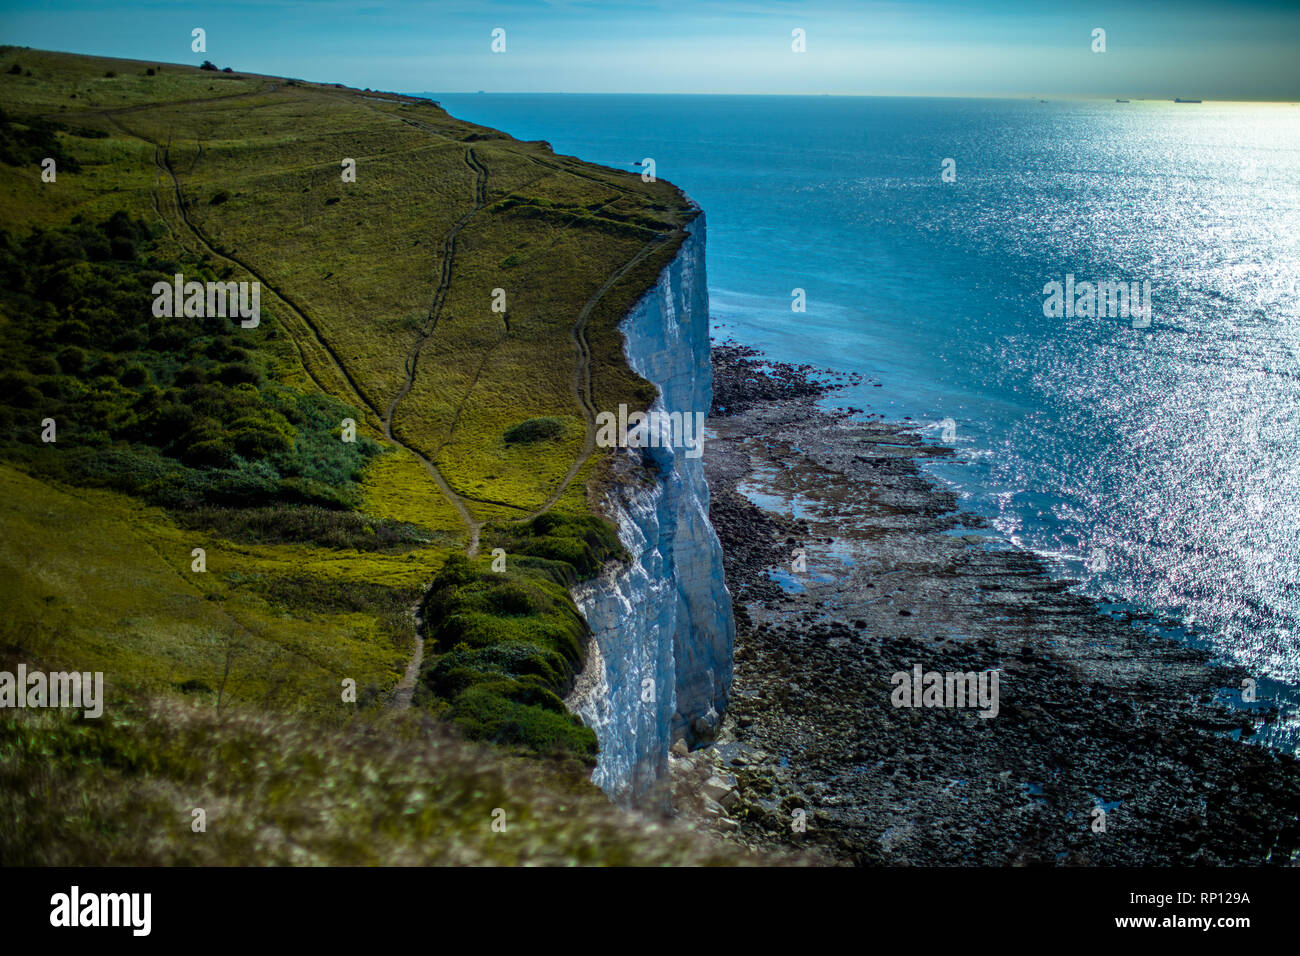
245, 173
457, 298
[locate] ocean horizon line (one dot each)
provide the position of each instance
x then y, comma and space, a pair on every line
1172, 99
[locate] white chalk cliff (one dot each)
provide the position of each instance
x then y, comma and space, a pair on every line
659, 662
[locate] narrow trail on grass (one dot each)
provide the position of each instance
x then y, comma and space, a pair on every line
403, 692
162, 156
581, 383
162, 160
161, 104
473, 525
318, 349
582, 372
404, 689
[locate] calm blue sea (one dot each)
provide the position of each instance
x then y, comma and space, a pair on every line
1159, 465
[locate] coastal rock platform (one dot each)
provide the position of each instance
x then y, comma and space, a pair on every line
1111, 744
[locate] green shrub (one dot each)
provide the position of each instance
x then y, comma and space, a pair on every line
258, 440
210, 452
135, 375
463, 666
534, 430
71, 360
585, 542
480, 713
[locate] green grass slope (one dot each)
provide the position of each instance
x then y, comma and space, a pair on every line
185, 433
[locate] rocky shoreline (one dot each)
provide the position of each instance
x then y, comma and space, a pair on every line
1107, 747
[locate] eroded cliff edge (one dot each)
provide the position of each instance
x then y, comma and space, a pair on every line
659, 662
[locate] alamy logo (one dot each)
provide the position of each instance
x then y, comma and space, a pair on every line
652, 429
951, 689
1109, 298
208, 299
103, 909
59, 689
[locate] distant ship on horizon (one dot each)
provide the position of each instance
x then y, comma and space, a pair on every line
1179, 99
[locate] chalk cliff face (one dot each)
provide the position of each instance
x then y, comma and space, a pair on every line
659, 664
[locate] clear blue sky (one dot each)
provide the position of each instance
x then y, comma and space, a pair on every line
1247, 50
